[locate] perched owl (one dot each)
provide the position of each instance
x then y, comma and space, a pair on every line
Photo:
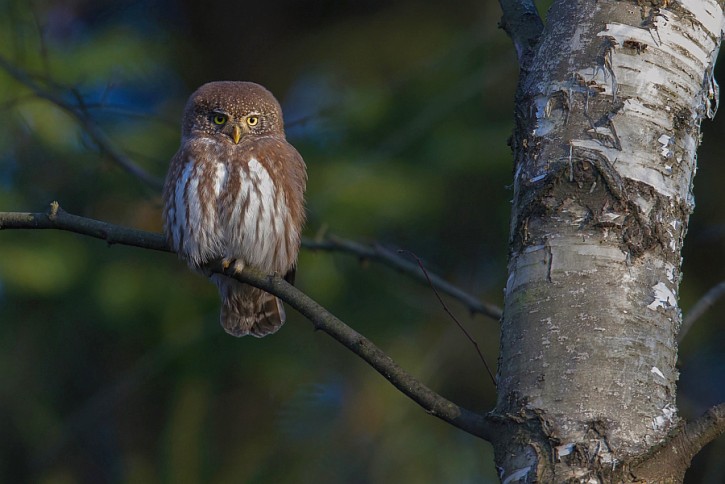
235, 192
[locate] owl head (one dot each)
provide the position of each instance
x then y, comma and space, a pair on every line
232, 110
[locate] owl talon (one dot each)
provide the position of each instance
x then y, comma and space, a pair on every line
238, 266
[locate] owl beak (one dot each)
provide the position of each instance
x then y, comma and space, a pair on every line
236, 134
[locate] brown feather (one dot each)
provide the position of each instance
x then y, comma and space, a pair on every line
237, 199
248, 310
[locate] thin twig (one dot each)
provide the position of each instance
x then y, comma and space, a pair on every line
701, 306
322, 319
86, 122
455, 319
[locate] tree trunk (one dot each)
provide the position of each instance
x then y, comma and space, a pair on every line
607, 125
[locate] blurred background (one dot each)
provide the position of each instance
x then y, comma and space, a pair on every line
113, 366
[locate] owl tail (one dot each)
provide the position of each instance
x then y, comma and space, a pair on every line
248, 310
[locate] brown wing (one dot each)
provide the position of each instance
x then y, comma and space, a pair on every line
287, 168
190, 222
171, 221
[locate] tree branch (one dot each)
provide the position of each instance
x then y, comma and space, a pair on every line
86, 122
701, 307
376, 252
700, 432
522, 23
678, 451
322, 319
433, 403
56, 218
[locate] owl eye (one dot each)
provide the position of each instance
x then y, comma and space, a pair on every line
219, 119
252, 120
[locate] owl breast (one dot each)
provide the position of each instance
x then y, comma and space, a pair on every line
231, 210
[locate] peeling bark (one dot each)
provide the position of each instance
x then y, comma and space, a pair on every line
607, 125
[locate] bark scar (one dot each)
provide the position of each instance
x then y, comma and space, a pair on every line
604, 62
611, 177
549, 261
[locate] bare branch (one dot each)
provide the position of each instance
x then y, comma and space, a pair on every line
322, 319
701, 307
58, 219
522, 23
376, 252
682, 446
432, 402
86, 122
114, 234
700, 432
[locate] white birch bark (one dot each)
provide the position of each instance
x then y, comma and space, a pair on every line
608, 123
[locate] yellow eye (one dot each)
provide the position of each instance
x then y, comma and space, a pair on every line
252, 120
219, 119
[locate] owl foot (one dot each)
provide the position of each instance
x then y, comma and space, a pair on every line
237, 265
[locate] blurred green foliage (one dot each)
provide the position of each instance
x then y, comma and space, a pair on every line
113, 367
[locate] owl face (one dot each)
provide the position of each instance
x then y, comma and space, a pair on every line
232, 111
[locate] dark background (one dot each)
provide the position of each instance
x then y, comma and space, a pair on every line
113, 367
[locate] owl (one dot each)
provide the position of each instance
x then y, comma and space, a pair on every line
234, 192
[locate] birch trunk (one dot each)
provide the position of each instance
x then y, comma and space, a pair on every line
608, 122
